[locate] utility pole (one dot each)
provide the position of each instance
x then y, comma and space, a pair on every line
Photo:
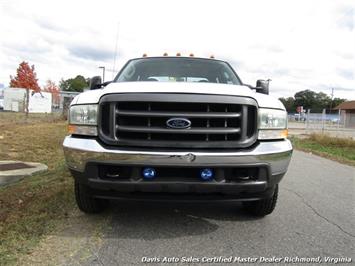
331, 101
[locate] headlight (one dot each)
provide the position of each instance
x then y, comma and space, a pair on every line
272, 124
272, 119
83, 120
83, 115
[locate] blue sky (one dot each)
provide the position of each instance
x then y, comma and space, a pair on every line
298, 44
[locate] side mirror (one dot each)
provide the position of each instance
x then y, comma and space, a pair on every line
249, 86
262, 86
106, 83
95, 83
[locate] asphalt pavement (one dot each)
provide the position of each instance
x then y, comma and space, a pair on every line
315, 216
314, 219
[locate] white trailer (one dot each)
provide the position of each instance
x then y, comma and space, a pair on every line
14, 99
40, 102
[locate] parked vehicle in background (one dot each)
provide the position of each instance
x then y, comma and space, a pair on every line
300, 117
177, 128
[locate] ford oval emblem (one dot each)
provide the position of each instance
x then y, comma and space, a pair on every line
178, 123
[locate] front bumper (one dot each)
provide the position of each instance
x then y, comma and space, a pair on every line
83, 155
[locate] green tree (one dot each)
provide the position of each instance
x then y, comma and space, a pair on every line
315, 101
306, 98
322, 101
64, 85
74, 84
289, 104
337, 101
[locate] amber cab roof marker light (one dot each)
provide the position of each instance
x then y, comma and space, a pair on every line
179, 54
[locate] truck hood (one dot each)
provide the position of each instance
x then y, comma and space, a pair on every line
91, 97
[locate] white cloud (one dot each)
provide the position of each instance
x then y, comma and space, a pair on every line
298, 44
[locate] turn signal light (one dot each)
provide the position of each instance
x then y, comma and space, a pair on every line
71, 129
273, 134
82, 130
284, 133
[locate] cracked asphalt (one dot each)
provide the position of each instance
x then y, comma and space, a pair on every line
315, 216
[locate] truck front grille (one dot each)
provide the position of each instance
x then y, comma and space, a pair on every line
141, 120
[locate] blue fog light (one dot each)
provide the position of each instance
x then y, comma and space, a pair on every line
206, 174
148, 173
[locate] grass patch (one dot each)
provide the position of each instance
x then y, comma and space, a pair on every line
32, 207
339, 149
20, 118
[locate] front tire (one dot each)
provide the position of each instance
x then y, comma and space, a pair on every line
86, 202
262, 207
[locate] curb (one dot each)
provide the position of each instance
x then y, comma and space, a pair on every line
12, 176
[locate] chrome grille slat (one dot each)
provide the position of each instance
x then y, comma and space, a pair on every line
178, 114
196, 130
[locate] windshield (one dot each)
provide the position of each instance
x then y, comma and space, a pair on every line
178, 70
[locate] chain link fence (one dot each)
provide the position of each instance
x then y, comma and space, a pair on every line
62, 102
341, 124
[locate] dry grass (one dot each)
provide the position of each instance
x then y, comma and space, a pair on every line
11, 118
32, 207
339, 149
326, 140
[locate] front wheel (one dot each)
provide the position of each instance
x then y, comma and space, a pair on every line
262, 207
86, 202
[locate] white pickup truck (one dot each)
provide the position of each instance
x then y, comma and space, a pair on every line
181, 129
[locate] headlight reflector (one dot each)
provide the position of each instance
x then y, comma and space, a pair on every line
83, 114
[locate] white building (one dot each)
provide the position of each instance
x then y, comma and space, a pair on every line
15, 99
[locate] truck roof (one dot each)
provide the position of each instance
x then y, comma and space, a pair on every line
184, 57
